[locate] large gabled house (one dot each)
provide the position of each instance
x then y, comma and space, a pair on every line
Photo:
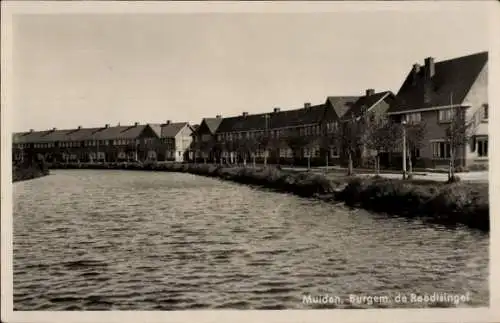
373, 106
435, 93
175, 140
204, 139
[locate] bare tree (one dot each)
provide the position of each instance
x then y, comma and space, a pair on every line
251, 146
415, 133
230, 148
350, 137
263, 143
458, 132
206, 148
380, 136
297, 143
243, 147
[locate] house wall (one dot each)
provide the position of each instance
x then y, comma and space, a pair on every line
183, 141
436, 131
476, 98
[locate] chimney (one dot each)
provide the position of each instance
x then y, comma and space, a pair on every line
370, 92
79, 127
415, 70
53, 129
429, 68
245, 114
107, 125
31, 130
276, 110
218, 116
429, 73
168, 122
136, 124
307, 105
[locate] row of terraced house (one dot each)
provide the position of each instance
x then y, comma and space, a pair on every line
430, 94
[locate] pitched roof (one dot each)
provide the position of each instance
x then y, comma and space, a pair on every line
453, 76
80, 134
281, 119
364, 102
119, 132
27, 137
212, 124
168, 130
341, 104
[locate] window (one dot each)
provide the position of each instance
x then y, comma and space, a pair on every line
445, 115
414, 118
482, 147
317, 152
441, 149
334, 152
485, 111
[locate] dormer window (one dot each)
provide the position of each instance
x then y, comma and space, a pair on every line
445, 115
413, 118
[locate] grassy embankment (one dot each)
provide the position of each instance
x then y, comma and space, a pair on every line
452, 204
29, 170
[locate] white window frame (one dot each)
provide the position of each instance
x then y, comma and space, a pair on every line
334, 152
483, 143
437, 151
445, 115
414, 118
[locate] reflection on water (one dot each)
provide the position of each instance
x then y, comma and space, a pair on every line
124, 240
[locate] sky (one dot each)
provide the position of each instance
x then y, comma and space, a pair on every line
96, 69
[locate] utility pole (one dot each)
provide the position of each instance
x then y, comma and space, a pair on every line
451, 139
403, 123
266, 135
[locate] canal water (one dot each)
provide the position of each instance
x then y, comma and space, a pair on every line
131, 240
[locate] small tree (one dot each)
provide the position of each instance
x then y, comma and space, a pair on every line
230, 147
458, 132
326, 142
206, 148
350, 137
263, 143
380, 136
251, 146
415, 134
242, 149
296, 143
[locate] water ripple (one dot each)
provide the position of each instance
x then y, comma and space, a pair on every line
109, 240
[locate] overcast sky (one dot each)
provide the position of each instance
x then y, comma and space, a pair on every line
89, 70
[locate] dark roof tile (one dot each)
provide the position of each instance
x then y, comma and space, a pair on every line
168, 130
364, 102
281, 119
342, 104
453, 76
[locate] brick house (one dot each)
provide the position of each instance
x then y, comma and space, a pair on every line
434, 94
283, 137
204, 139
107, 143
174, 140
373, 106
